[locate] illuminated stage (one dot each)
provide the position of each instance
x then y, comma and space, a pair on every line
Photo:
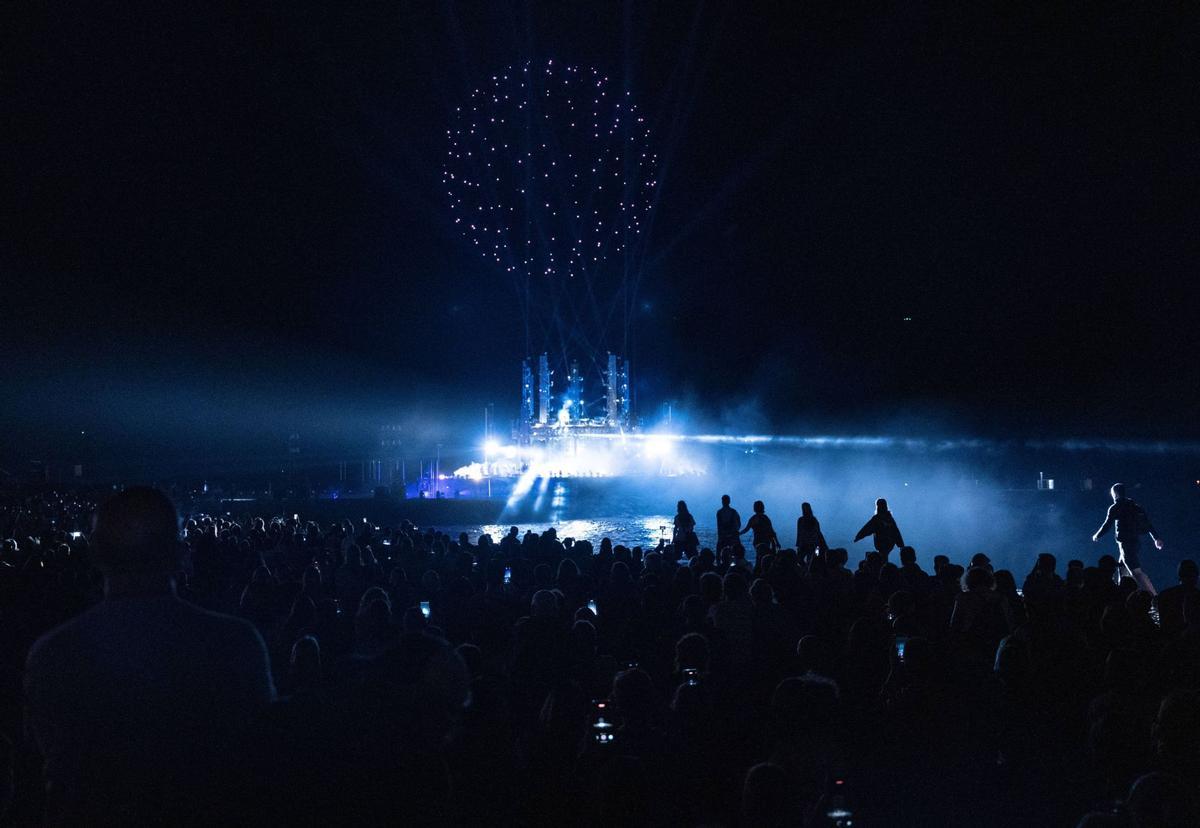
556, 438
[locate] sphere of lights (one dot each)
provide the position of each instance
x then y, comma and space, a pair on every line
549, 175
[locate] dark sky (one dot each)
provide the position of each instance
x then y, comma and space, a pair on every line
230, 221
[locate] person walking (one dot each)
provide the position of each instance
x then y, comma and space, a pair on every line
1129, 522
760, 525
882, 526
809, 539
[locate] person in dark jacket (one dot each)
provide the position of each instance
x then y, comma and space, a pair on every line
683, 534
809, 539
729, 523
1129, 522
760, 525
884, 529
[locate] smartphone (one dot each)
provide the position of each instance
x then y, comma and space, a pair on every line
901, 640
592, 606
508, 574
387, 542
840, 817
76, 535
691, 676
840, 814
603, 731
425, 608
295, 516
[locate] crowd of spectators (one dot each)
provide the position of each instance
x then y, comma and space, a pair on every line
224, 670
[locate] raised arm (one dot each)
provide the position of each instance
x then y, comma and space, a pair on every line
868, 529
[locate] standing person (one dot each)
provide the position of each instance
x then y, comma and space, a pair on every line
809, 539
760, 525
683, 536
1130, 522
729, 524
141, 706
884, 529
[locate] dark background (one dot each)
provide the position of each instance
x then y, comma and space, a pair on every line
222, 226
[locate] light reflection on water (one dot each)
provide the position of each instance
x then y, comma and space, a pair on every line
629, 530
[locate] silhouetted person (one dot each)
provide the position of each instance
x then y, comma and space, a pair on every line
1171, 600
1162, 800
1129, 522
809, 539
683, 534
767, 796
729, 524
760, 525
1043, 583
882, 526
139, 705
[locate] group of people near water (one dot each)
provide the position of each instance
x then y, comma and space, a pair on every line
1125, 517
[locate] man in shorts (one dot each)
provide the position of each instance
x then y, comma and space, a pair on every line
1129, 522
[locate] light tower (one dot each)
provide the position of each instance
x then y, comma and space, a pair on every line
612, 393
575, 393
623, 389
526, 393
543, 389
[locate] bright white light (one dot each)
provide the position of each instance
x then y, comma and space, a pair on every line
491, 446
659, 445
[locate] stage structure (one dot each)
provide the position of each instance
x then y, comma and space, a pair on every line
577, 411
578, 429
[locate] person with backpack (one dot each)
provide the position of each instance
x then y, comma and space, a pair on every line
1129, 522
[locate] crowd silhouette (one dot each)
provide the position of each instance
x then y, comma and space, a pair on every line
235, 670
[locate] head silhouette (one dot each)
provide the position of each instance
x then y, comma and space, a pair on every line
1188, 572
137, 532
806, 509
681, 507
759, 508
1117, 491
724, 500
880, 506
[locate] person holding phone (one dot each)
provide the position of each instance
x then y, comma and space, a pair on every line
809, 539
683, 533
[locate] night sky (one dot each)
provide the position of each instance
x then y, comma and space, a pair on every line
231, 222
